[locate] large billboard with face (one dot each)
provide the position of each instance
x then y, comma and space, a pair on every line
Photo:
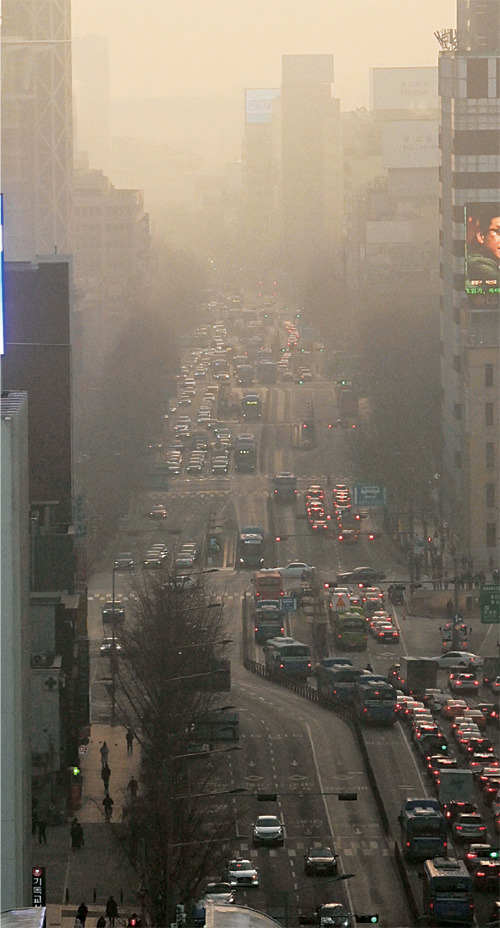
259, 104
482, 248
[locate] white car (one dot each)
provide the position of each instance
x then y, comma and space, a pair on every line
242, 872
459, 659
268, 830
295, 570
124, 561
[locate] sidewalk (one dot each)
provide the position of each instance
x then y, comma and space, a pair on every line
101, 868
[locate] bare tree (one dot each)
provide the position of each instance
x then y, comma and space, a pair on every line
170, 674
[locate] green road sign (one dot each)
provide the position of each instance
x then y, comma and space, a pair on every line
489, 602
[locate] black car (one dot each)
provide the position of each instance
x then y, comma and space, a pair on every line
363, 575
319, 861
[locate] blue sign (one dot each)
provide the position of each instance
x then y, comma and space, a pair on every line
288, 604
369, 495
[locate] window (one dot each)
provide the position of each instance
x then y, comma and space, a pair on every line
477, 78
488, 375
491, 535
488, 414
490, 495
490, 454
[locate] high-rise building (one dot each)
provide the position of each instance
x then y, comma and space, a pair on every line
90, 83
15, 752
37, 137
311, 156
469, 87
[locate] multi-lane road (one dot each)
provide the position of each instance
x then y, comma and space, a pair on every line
289, 746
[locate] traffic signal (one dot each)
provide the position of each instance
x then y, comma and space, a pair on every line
366, 919
267, 797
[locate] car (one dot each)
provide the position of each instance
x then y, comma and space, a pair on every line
158, 512
124, 561
334, 915
161, 547
222, 893
110, 644
491, 789
453, 708
469, 826
489, 710
458, 659
153, 561
113, 612
479, 761
268, 830
184, 559
241, 872
463, 683
495, 685
365, 576
434, 699
387, 633
295, 570
456, 807
486, 875
479, 852
320, 860
195, 466
220, 465
479, 745
315, 492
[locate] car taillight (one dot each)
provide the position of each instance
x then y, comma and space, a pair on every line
459, 828
480, 873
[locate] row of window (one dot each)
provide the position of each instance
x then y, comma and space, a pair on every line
489, 456
477, 78
489, 413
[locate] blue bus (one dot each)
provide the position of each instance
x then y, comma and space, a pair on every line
374, 702
448, 892
286, 657
336, 683
423, 829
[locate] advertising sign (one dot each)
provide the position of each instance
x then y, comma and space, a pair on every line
410, 143
482, 248
259, 105
38, 886
404, 88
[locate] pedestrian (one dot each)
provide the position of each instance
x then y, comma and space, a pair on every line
76, 832
130, 740
111, 910
82, 913
133, 786
42, 824
108, 806
105, 774
104, 751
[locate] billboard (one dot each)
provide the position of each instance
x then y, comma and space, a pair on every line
404, 88
259, 105
410, 143
482, 247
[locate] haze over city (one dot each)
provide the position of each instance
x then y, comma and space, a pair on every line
219, 47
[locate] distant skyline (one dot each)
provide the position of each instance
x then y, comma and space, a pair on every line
213, 48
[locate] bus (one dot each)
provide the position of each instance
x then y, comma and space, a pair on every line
336, 683
267, 584
250, 547
448, 892
374, 702
268, 620
350, 630
251, 407
285, 487
286, 657
245, 454
423, 829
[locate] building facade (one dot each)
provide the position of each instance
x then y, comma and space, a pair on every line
469, 88
15, 750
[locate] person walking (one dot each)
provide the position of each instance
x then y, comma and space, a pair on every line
111, 910
130, 741
104, 751
133, 787
82, 913
105, 774
42, 824
108, 806
76, 832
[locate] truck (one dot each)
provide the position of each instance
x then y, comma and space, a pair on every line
456, 785
491, 670
417, 674
250, 546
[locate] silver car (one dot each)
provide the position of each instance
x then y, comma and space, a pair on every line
268, 829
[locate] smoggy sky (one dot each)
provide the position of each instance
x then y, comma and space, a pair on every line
211, 48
